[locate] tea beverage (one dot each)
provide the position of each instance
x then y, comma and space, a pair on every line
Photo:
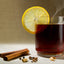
49, 39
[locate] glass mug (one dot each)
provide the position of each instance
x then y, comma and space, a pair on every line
50, 38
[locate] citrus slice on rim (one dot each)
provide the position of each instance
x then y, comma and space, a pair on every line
34, 15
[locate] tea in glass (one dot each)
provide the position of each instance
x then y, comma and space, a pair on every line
49, 39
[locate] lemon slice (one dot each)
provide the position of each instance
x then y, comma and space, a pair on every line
34, 15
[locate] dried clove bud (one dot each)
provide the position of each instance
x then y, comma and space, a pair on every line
36, 58
30, 57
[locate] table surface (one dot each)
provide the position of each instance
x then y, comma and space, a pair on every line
31, 47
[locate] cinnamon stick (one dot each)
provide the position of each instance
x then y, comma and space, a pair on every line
7, 53
16, 54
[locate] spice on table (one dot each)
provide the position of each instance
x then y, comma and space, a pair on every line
52, 58
30, 57
25, 60
20, 58
23, 57
35, 59
2, 55
15, 55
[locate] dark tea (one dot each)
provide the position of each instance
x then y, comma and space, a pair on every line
49, 39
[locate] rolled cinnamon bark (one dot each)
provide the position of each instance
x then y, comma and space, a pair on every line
16, 54
7, 53
4, 54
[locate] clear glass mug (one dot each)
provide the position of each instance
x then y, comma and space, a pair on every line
50, 38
